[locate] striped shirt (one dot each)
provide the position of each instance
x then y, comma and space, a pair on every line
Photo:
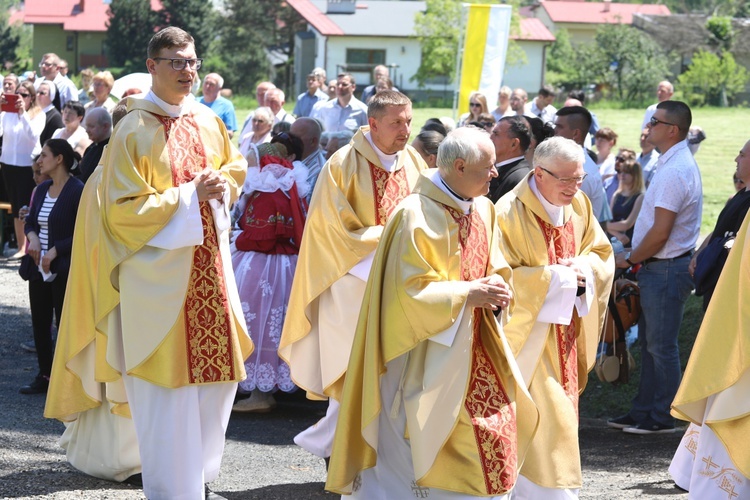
43, 220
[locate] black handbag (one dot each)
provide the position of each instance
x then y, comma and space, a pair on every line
710, 262
28, 270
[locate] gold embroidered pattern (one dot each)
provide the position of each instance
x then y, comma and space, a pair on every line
561, 245
207, 318
488, 404
388, 190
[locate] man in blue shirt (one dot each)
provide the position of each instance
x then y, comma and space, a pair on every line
223, 107
306, 100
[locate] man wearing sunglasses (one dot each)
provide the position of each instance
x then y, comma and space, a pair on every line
562, 275
175, 329
664, 238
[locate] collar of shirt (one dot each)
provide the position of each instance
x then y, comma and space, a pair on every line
436, 178
505, 162
388, 161
671, 152
48, 107
554, 212
171, 109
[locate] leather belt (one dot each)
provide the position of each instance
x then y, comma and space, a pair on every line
654, 259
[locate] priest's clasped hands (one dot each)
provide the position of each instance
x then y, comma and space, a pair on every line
210, 185
490, 292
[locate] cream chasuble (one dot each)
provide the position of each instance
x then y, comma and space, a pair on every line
164, 257
467, 420
353, 198
554, 358
715, 389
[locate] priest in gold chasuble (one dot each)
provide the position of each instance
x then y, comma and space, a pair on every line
562, 274
166, 297
433, 405
713, 459
356, 191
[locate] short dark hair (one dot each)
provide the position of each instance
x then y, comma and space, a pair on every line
577, 94
678, 113
547, 91
430, 140
169, 38
380, 102
540, 130
436, 125
581, 117
518, 129
77, 107
351, 77
292, 143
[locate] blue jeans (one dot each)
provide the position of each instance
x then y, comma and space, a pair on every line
665, 286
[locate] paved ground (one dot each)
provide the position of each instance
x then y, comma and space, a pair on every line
260, 461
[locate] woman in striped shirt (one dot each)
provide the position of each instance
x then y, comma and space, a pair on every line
49, 230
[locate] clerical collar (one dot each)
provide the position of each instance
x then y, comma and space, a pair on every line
555, 213
434, 175
172, 110
388, 161
511, 160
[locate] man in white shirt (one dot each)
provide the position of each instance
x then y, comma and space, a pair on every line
503, 104
518, 100
50, 71
573, 122
541, 106
664, 92
346, 112
664, 238
275, 100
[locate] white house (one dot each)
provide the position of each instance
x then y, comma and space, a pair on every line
355, 36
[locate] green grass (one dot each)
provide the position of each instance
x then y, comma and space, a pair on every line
602, 399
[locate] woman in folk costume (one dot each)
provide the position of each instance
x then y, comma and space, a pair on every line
264, 256
713, 459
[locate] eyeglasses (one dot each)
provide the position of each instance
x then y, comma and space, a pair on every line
487, 124
475, 105
24, 96
566, 180
655, 121
259, 120
620, 158
178, 64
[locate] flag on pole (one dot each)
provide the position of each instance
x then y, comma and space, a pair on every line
484, 49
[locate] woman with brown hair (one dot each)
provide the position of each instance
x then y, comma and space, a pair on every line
477, 106
20, 132
626, 201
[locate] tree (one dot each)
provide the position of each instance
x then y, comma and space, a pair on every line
713, 79
197, 17
242, 42
10, 37
621, 57
438, 30
130, 27
250, 27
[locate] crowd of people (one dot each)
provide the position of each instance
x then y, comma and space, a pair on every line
445, 296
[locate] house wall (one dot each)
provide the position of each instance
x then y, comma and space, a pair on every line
88, 46
530, 75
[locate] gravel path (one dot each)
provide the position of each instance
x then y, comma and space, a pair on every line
260, 461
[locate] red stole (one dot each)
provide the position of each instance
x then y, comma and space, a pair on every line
561, 244
493, 418
388, 190
208, 331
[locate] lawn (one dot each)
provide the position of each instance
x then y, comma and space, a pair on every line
725, 137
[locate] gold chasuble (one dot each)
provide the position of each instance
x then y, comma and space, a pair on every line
467, 419
555, 359
181, 321
715, 390
353, 197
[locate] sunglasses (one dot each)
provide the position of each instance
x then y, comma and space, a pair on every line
475, 105
655, 121
620, 158
487, 124
24, 95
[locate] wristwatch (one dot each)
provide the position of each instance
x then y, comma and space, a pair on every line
627, 259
